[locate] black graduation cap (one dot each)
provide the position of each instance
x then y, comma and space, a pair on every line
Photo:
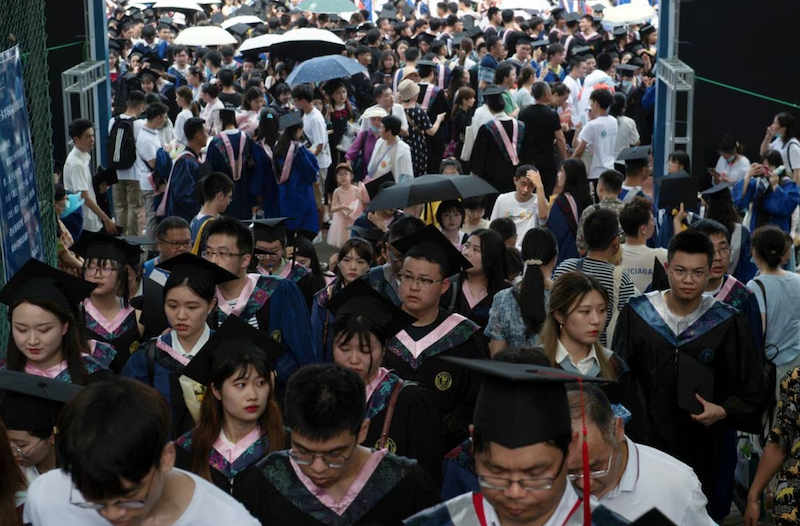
581, 50
646, 29
117, 44
408, 10
426, 63
239, 29
627, 70
149, 12
269, 230
715, 189
620, 32
598, 8
474, 32
234, 337
245, 10
151, 303
188, 265
539, 43
660, 278
166, 21
139, 240
102, 246
32, 403
493, 89
558, 13
677, 190
430, 243
653, 518
360, 299
458, 38
217, 18
521, 404
378, 184
571, 17
635, 154
370, 234
389, 11
293, 118
37, 280
424, 37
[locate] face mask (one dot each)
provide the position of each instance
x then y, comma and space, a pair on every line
626, 85
777, 135
373, 129
731, 158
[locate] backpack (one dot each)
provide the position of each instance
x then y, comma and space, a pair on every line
121, 146
162, 168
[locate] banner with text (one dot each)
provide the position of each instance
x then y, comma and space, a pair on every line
20, 220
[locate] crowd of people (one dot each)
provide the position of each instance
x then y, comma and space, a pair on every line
580, 347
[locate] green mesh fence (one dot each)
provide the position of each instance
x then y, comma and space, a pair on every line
22, 22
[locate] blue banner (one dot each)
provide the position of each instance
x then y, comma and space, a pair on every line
20, 220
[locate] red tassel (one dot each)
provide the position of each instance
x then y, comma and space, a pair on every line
587, 481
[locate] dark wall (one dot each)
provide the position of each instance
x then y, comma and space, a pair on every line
741, 44
66, 24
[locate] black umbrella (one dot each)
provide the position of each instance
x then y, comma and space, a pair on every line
430, 188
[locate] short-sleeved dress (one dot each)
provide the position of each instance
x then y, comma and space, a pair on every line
785, 435
506, 322
418, 122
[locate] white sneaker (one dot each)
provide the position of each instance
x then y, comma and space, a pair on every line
318, 239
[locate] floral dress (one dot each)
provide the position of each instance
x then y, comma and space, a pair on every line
785, 435
418, 122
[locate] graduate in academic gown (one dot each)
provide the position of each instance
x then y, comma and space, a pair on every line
187, 299
433, 101
252, 297
403, 416
416, 352
181, 194
38, 294
327, 478
240, 421
266, 183
522, 436
669, 353
107, 312
271, 240
230, 152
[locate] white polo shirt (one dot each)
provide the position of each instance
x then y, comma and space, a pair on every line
147, 144
78, 178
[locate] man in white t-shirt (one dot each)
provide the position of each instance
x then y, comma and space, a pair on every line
638, 260
147, 145
599, 135
111, 428
78, 177
317, 132
577, 71
384, 99
526, 205
127, 193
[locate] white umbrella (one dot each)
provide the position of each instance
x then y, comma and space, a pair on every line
140, 7
205, 36
258, 44
627, 14
177, 5
336, 7
207, 2
244, 19
540, 5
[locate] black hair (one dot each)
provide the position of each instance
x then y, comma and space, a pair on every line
303, 92
446, 206
576, 61
225, 76
304, 247
322, 401
618, 103
540, 89
730, 145
692, 242
514, 266
634, 215
148, 32
600, 229
682, 158
135, 98
268, 127
110, 431
232, 227
612, 180
539, 247
720, 207
602, 97
604, 61
227, 118
215, 57
210, 89
502, 72
450, 162
412, 54
505, 227
786, 120
212, 184
772, 158
404, 226
525, 75
392, 124
78, 127
769, 244
554, 49
474, 203
576, 183
170, 223
378, 90
710, 227
493, 258
192, 127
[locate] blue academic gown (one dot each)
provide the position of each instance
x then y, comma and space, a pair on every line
296, 195
559, 225
265, 184
181, 200
244, 197
778, 204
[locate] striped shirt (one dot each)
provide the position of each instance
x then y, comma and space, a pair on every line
604, 273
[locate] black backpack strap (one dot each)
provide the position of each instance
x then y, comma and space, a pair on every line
150, 352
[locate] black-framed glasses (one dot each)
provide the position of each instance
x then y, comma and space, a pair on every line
97, 271
593, 474
332, 461
531, 484
208, 254
696, 274
124, 504
422, 283
187, 244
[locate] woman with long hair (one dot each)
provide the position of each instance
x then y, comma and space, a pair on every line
189, 298
189, 108
209, 93
247, 119
352, 263
527, 78
461, 116
517, 313
568, 206
387, 66
195, 80
769, 192
297, 172
265, 183
240, 420
13, 486
472, 293
782, 136
302, 251
628, 132
47, 337
107, 311
732, 165
403, 415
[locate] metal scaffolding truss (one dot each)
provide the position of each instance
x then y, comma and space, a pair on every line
80, 85
678, 78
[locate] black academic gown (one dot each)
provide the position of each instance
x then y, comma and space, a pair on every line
416, 427
436, 143
397, 489
719, 339
490, 161
455, 387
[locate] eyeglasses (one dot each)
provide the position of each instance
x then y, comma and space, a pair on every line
696, 274
722, 251
97, 271
502, 484
593, 474
23, 453
177, 244
306, 459
422, 283
208, 254
124, 504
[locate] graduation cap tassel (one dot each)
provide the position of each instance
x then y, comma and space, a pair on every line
53, 414
587, 511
